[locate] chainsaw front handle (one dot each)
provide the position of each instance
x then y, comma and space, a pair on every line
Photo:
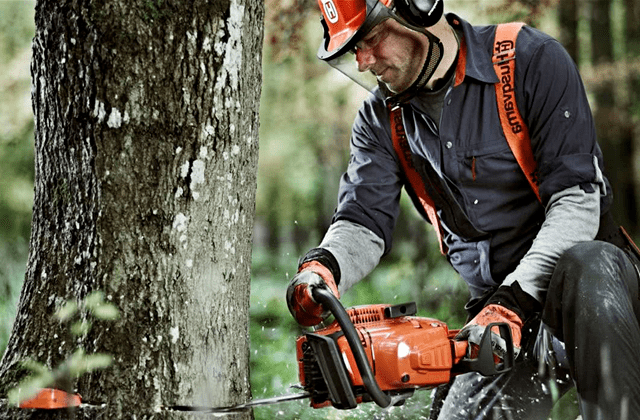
485, 363
333, 305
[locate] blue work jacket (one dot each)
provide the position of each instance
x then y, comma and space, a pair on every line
469, 152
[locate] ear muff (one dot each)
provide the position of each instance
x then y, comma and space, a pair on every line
422, 13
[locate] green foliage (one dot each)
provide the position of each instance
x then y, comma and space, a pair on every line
153, 10
16, 27
79, 363
12, 269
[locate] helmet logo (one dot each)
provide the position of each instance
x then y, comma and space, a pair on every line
330, 11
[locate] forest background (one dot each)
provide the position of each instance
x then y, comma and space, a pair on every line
306, 115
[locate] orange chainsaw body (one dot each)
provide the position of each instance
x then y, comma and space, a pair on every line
404, 351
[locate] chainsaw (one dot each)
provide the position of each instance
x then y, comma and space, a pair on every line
380, 353
383, 353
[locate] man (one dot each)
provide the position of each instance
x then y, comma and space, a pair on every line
530, 246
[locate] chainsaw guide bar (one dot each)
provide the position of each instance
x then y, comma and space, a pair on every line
240, 407
379, 353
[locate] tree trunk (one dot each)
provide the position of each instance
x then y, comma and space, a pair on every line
146, 119
568, 19
610, 119
632, 39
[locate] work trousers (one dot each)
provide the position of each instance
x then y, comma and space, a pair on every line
589, 337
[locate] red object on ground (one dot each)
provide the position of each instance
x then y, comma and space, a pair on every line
49, 398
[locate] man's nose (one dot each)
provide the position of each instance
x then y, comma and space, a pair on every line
365, 59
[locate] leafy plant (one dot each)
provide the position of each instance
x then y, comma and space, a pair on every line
80, 316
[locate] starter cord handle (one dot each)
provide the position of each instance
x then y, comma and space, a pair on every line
331, 303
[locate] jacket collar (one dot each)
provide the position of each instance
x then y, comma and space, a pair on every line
474, 57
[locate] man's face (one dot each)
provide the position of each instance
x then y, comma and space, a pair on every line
393, 53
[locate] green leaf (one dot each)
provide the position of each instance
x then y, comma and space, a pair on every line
93, 300
106, 311
97, 361
29, 387
67, 311
81, 363
35, 367
80, 328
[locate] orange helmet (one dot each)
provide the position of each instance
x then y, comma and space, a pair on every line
347, 21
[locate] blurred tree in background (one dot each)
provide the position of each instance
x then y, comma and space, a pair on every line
306, 114
16, 153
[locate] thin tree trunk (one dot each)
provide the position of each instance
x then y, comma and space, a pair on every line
568, 19
610, 119
632, 38
146, 119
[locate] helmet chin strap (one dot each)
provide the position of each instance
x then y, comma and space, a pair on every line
434, 57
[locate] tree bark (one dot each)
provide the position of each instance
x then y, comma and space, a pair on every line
146, 119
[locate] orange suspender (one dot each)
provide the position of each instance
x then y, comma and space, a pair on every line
513, 125
401, 145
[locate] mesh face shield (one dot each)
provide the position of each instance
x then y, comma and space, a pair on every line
346, 23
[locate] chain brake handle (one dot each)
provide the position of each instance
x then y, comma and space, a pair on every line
327, 299
485, 363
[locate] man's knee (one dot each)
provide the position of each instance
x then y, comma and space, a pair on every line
588, 265
581, 275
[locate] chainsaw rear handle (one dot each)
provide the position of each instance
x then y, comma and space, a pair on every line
327, 299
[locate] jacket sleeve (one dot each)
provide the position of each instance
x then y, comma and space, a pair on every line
571, 217
554, 104
356, 249
370, 189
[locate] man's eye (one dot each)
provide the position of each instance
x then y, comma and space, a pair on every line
372, 39
368, 42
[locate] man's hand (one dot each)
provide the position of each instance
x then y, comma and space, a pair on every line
473, 331
300, 301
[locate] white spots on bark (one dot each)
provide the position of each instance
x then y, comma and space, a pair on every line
228, 246
99, 112
184, 170
197, 174
186, 94
219, 45
233, 59
206, 44
191, 37
174, 332
180, 222
116, 118
208, 130
231, 49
